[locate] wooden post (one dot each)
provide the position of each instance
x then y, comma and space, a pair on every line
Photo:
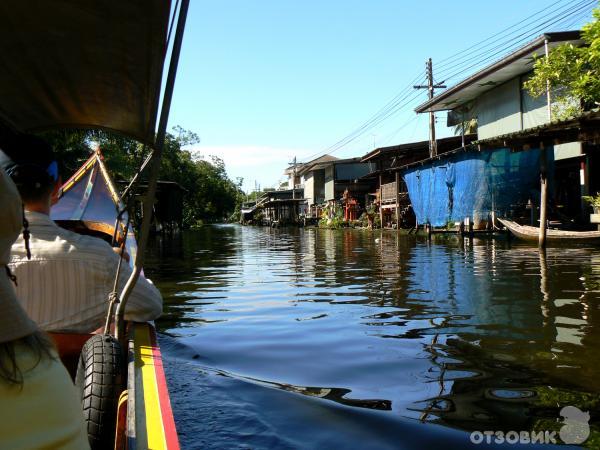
583, 187
431, 89
397, 200
381, 200
469, 226
543, 199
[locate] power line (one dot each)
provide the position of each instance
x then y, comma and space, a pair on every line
493, 56
507, 45
572, 11
384, 113
468, 52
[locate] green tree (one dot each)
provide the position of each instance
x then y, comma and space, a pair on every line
573, 73
210, 196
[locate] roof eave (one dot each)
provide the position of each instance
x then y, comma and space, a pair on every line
429, 105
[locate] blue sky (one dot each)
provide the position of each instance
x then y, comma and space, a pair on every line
263, 81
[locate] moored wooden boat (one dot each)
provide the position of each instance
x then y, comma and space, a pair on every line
529, 233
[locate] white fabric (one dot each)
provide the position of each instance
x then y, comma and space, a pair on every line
65, 285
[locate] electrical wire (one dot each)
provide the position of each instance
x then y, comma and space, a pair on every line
497, 55
468, 53
461, 62
508, 46
382, 114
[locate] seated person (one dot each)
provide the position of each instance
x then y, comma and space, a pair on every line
38, 402
65, 285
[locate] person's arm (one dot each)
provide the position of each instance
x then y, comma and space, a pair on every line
145, 302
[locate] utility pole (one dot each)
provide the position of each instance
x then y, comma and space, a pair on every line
294, 180
431, 89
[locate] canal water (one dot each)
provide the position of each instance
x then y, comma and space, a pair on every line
356, 339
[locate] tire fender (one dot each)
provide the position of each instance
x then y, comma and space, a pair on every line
99, 381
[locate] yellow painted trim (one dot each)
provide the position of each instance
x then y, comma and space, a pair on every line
109, 183
145, 363
78, 175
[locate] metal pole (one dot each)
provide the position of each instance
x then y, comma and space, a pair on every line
154, 169
543, 177
548, 99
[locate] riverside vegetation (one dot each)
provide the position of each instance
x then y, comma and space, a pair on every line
209, 196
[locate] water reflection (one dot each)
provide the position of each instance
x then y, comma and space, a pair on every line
465, 333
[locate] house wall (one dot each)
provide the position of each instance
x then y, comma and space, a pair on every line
309, 188
499, 110
535, 110
319, 176
314, 187
329, 183
352, 171
340, 176
509, 107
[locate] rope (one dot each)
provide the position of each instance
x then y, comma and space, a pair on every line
26, 234
11, 275
113, 297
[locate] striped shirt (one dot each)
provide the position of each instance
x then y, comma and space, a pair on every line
66, 284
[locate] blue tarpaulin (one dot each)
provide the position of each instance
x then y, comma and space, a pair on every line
474, 184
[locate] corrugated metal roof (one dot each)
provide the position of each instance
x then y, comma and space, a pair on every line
511, 66
414, 146
549, 132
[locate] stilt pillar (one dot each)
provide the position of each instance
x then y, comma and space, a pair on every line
398, 200
381, 200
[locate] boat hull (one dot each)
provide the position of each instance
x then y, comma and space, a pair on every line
90, 205
531, 234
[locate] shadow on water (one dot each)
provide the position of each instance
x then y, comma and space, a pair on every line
294, 336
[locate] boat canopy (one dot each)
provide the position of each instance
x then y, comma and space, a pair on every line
83, 64
89, 198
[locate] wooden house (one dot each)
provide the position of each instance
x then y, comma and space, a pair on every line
385, 173
506, 115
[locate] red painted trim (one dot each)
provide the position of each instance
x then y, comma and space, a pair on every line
163, 395
77, 174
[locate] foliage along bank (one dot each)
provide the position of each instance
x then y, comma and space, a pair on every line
210, 196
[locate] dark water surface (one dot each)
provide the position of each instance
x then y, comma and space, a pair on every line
358, 339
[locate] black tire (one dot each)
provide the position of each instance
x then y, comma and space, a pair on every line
99, 382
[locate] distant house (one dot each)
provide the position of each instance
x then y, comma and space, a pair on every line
325, 179
312, 176
491, 178
385, 166
282, 206
168, 208
495, 95
293, 179
346, 175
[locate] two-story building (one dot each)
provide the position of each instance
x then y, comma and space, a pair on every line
490, 179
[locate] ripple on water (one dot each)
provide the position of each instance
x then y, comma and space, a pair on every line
283, 338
